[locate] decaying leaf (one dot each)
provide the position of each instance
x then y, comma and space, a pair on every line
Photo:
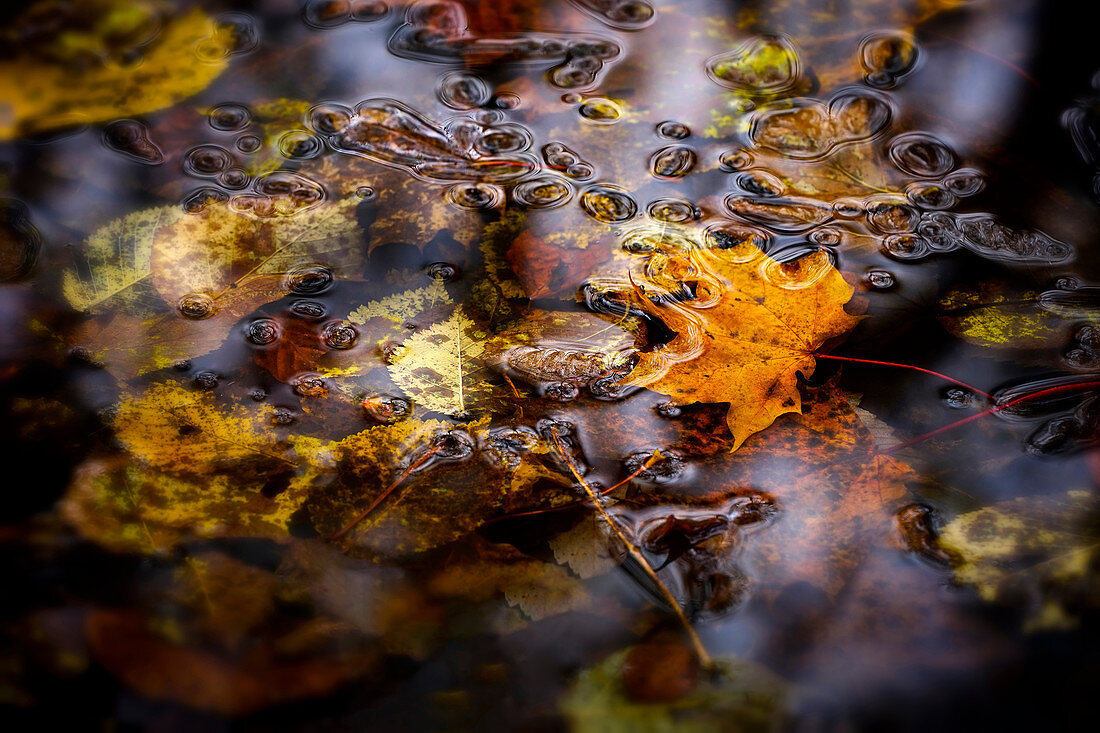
757, 328
736, 691
992, 316
1037, 553
86, 75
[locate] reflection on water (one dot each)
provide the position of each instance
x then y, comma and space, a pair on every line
583, 364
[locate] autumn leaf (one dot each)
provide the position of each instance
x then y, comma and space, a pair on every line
1037, 553
757, 329
993, 316
117, 263
600, 699
86, 75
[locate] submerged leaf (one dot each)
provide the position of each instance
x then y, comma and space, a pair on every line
89, 78
1039, 553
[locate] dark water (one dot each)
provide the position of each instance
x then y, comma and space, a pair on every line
324, 321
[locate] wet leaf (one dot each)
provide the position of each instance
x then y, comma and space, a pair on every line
88, 76
762, 322
1037, 553
738, 691
993, 316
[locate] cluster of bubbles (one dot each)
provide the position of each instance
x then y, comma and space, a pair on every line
324, 14
438, 30
390, 132
626, 15
561, 157
886, 58
275, 193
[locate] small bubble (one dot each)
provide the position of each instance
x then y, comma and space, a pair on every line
309, 279
196, 306
366, 193
600, 110
324, 14
262, 331
207, 160
309, 385
673, 130
735, 160
572, 98
580, 171
673, 211
958, 398
1089, 339
921, 154
393, 352
197, 200
675, 161
249, 143
848, 208
451, 446
761, 183
666, 469
310, 309
893, 218
444, 271
542, 193
340, 335
930, 196
503, 139
257, 395
131, 138
905, 247
460, 90
386, 409
964, 182
300, 145
507, 100
206, 380
561, 391
825, 236
230, 117
182, 365
475, 195
1080, 359
234, 179
368, 11
608, 204
880, 280
330, 119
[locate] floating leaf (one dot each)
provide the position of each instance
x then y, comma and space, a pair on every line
994, 317
758, 328
88, 78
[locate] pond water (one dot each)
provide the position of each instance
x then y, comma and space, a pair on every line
568, 365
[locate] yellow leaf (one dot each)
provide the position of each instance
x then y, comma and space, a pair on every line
117, 262
1035, 552
403, 306
752, 327
89, 83
991, 316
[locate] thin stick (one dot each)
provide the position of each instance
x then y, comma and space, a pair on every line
996, 408
696, 642
381, 497
971, 387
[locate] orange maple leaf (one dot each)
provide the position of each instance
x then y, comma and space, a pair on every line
751, 324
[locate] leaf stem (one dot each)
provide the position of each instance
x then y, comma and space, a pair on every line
905, 366
696, 642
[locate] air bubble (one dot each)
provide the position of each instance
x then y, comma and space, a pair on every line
921, 154
249, 143
561, 391
765, 64
964, 182
735, 160
131, 138
761, 183
282, 417
885, 57
507, 100
670, 467
674, 161
198, 199
234, 179
475, 195
580, 171
196, 306
503, 139
542, 193
230, 117
459, 90
309, 309
206, 380
339, 335
892, 218
905, 247
674, 211
880, 280
444, 271
600, 110
366, 193
958, 398
825, 236
930, 196
262, 331
608, 204
329, 119
309, 279
309, 385
207, 160
673, 130
300, 145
